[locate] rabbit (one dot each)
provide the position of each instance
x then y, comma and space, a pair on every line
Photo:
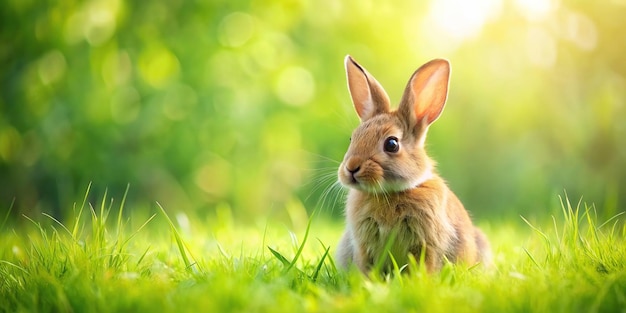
396, 202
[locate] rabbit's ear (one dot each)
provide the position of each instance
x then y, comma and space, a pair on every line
425, 95
368, 96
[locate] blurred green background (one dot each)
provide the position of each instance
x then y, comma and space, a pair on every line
242, 106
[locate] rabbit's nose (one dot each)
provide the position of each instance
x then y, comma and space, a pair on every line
353, 165
353, 170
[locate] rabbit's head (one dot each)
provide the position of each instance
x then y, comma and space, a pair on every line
386, 152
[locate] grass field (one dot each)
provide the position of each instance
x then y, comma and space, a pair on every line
234, 116
105, 261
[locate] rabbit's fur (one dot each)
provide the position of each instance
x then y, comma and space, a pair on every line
396, 199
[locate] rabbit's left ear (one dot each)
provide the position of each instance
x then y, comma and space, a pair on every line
425, 94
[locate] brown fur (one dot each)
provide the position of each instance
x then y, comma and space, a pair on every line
399, 195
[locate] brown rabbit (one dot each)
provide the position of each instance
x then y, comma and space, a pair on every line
396, 200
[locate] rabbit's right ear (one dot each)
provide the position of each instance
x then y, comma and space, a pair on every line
425, 96
368, 96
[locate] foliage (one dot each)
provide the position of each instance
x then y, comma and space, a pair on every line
99, 265
203, 105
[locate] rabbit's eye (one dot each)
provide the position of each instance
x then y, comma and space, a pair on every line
392, 145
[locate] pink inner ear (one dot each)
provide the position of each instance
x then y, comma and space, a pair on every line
429, 87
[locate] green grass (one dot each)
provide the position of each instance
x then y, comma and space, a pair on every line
103, 261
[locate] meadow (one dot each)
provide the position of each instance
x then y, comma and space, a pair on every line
228, 120
102, 261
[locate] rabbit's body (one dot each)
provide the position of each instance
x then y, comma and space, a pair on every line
396, 200
419, 217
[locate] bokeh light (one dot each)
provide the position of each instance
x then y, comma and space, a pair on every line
241, 108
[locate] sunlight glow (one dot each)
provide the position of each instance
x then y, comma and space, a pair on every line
295, 86
236, 29
462, 20
541, 48
536, 9
94, 22
579, 29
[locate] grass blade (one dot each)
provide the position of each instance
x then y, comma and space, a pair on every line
143, 256
279, 256
179, 241
380, 262
299, 252
138, 230
616, 216
6, 216
532, 258
120, 213
14, 266
57, 221
80, 213
319, 265
545, 237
